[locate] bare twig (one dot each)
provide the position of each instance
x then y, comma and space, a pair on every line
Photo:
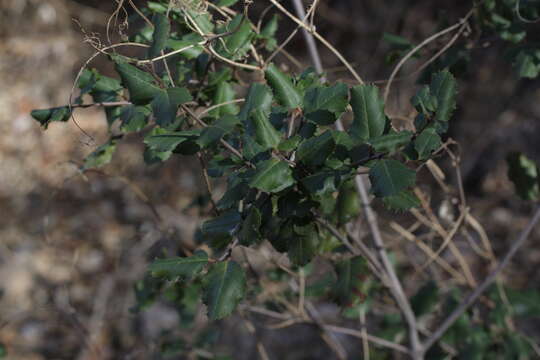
374, 339
310, 41
395, 288
451, 319
418, 47
320, 38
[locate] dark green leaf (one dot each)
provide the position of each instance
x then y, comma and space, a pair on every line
224, 225
217, 130
330, 98
101, 156
523, 172
265, 134
134, 118
424, 101
368, 107
444, 88
268, 33
427, 142
321, 117
259, 97
321, 183
251, 148
141, 85
224, 93
93, 82
425, 299
527, 63
390, 177
390, 142
401, 201
289, 144
272, 176
186, 267
203, 20
236, 45
165, 104
249, 233
161, 33
163, 140
46, 116
315, 151
285, 92
224, 289
184, 43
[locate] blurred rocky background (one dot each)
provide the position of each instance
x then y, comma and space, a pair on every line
72, 245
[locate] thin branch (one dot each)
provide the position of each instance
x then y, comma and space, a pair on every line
320, 38
374, 339
395, 288
450, 320
223, 142
103, 104
418, 47
310, 41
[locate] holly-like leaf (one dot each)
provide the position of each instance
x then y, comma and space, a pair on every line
444, 88
427, 142
224, 93
237, 190
160, 36
134, 118
390, 142
163, 140
203, 20
189, 44
286, 93
401, 201
527, 63
141, 85
268, 33
217, 130
330, 98
353, 281
222, 226
249, 233
390, 177
368, 108
272, 176
523, 172
322, 182
185, 267
263, 131
259, 97
236, 45
165, 104
424, 101
314, 151
101, 156
224, 288
91, 81
46, 116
